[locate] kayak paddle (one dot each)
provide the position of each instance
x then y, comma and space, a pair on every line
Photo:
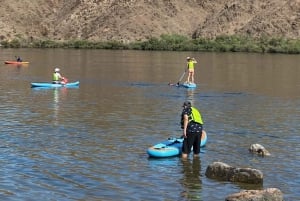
64, 80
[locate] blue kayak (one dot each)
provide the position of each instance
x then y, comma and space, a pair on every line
171, 147
53, 85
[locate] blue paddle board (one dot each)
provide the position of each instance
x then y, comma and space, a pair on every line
189, 85
171, 147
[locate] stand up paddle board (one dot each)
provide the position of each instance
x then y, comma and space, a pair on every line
185, 85
171, 147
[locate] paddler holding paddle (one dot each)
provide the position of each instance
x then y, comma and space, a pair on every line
192, 125
57, 78
19, 59
190, 67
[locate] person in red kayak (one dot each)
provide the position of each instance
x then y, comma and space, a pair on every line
58, 78
19, 59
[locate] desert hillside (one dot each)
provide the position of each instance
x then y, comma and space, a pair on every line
134, 20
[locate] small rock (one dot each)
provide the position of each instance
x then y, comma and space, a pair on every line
259, 149
269, 194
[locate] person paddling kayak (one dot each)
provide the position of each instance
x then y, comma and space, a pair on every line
19, 59
57, 78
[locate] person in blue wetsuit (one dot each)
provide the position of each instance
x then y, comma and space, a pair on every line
192, 125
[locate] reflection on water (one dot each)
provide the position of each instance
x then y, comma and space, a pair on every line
55, 105
191, 180
90, 142
190, 95
58, 95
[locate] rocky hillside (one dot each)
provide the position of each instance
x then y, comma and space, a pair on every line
132, 20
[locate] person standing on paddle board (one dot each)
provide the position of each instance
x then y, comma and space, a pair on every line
57, 78
192, 125
190, 67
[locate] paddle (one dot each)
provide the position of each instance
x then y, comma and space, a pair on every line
181, 77
64, 80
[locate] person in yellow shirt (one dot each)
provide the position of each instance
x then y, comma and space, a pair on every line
191, 69
57, 78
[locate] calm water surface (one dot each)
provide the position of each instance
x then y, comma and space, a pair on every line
89, 143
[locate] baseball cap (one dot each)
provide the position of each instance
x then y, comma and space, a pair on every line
187, 103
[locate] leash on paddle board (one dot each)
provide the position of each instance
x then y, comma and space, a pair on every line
173, 141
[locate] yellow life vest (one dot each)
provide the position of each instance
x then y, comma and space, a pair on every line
55, 77
191, 64
195, 116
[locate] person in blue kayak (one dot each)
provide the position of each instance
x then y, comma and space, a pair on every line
192, 125
191, 69
57, 78
19, 59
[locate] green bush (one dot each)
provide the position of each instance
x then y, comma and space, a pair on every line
223, 43
15, 43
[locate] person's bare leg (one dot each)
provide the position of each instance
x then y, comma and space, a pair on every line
193, 77
184, 155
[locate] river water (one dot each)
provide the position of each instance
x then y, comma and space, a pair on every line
90, 142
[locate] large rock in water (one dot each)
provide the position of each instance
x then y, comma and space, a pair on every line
269, 194
224, 172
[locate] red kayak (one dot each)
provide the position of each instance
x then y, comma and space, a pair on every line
16, 62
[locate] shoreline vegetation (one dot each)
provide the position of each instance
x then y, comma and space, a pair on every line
233, 43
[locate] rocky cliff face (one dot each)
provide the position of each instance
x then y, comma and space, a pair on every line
133, 20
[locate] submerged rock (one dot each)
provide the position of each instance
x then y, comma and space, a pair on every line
269, 194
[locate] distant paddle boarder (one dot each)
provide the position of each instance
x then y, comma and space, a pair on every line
190, 67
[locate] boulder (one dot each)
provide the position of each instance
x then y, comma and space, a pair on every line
259, 149
269, 194
224, 172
